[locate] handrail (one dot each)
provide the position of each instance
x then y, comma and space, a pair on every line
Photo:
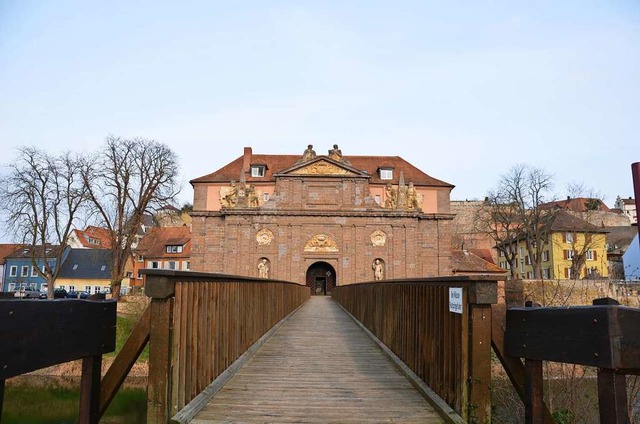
450, 352
605, 335
38, 342
200, 324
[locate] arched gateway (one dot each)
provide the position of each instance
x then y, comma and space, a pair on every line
321, 278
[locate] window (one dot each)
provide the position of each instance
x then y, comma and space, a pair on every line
87, 289
129, 274
592, 255
140, 258
522, 252
545, 256
386, 173
546, 273
75, 266
25, 271
527, 260
13, 271
522, 265
568, 237
567, 272
174, 249
530, 274
502, 253
568, 254
170, 264
91, 240
34, 271
153, 264
96, 289
12, 287
103, 268
72, 288
139, 275
257, 170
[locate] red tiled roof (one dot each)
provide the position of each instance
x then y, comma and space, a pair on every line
564, 221
369, 164
96, 233
154, 244
7, 250
465, 261
579, 204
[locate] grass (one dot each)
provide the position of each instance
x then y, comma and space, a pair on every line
124, 326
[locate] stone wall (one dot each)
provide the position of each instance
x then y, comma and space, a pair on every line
570, 292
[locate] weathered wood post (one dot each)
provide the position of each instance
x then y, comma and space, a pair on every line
481, 295
161, 290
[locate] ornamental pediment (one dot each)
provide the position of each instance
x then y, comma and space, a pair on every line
323, 166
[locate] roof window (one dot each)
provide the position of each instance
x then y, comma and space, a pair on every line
173, 248
386, 173
258, 170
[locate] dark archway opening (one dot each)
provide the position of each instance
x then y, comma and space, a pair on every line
321, 278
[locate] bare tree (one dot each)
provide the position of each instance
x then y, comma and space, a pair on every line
498, 218
125, 180
521, 191
42, 196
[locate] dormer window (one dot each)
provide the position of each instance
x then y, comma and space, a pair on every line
258, 171
386, 173
174, 248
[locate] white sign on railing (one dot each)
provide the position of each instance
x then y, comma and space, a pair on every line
455, 300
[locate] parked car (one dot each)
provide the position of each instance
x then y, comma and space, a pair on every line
77, 294
59, 293
27, 293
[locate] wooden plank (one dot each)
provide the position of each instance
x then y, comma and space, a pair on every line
124, 361
588, 335
1, 396
480, 364
513, 366
335, 371
158, 395
90, 390
612, 397
44, 326
534, 399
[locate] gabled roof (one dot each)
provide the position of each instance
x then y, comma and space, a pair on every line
154, 244
24, 252
564, 221
278, 163
579, 204
87, 264
465, 261
6, 250
94, 237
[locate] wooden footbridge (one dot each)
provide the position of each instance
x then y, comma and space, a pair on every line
234, 349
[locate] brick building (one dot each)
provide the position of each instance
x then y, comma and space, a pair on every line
321, 219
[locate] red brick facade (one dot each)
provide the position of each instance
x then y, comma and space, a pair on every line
322, 216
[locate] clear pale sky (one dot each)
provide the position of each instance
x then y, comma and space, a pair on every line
462, 90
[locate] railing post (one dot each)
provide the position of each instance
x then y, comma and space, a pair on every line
161, 290
481, 295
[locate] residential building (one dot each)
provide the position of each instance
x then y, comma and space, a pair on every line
20, 269
90, 238
162, 248
569, 237
5, 250
631, 260
321, 220
577, 204
628, 207
475, 262
86, 270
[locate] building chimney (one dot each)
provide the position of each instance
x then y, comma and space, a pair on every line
246, 161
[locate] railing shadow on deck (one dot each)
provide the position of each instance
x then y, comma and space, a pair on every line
197, 325
449, 351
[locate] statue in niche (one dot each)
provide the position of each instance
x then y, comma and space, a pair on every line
308, 154
378, 270
263, 268
391, 197
252, 197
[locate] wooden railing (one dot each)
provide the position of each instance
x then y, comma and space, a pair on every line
450, 352
605, 335
36, 334
200, 324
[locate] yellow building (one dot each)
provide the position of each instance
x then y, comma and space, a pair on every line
574, 249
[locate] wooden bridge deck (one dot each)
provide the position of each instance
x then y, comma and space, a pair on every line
319, 367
